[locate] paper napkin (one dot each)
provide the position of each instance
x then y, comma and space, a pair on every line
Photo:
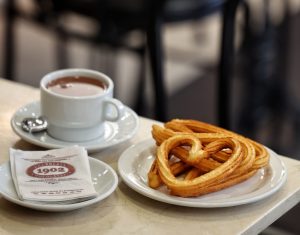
59, 175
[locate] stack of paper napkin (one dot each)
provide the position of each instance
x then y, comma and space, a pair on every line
59, 175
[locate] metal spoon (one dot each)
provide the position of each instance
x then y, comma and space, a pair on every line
34, 124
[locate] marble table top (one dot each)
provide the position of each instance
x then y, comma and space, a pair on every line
126, 211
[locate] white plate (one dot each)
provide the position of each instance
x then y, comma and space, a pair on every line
104, 178
135, 162
115, 132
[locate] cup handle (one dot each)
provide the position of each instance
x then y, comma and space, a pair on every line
118, 107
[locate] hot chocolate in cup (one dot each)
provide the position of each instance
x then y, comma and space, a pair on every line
77, 103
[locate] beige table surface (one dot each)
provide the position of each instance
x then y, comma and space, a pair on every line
125, 211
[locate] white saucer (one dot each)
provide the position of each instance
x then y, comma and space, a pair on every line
104, 178
135, 162
115, 132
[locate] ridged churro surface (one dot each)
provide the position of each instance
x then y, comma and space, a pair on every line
195, 158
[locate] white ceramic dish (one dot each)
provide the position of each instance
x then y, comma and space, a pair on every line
104, 178
135, 162
115, 132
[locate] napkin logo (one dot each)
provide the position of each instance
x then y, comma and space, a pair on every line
50, 170
48, 156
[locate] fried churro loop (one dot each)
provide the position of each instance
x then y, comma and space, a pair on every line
207, 158
195, 186
262, 156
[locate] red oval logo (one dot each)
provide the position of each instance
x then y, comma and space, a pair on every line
50, 170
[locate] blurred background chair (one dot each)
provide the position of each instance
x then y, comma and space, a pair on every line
116, 18
270, 108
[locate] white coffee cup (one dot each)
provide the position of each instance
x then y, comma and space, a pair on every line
78, 113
